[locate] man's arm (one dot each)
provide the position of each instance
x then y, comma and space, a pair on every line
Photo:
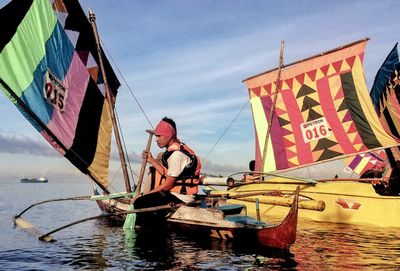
167, 185
149, 158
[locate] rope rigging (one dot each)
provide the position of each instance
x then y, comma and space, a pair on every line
225, 131
151, 125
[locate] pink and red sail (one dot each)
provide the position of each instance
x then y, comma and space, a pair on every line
323, 111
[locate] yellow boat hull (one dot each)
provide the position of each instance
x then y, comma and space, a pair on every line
351, 202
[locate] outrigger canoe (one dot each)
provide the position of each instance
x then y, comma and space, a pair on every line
317, 110
218, 222
351, 201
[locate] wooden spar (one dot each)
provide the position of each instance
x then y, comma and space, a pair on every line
130, 219
48, 131
92, 19
306, 205
335, 158
25, 225
308, 58
271, 114
265, 197
144, 162
142, 210
52, 200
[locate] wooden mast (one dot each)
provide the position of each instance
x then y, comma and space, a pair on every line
110, 99
271, 114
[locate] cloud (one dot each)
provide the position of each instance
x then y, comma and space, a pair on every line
25, 145
209, 168
132, 157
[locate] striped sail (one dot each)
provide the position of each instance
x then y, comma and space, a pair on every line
385, 94
49, 70
323, 111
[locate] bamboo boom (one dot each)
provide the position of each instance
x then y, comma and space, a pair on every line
335, 158
311, 57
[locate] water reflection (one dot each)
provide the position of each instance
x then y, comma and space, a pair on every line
318, 247
155, 250
172, 251
97, 245
322, 246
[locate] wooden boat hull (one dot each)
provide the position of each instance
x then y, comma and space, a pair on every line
207, 223
280, 236
353, 202
202, 224
112, 206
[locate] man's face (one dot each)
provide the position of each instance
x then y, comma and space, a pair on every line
162, 141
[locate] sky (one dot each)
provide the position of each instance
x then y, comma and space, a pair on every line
186, 59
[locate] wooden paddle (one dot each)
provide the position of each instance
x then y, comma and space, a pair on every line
131, 218
144, 162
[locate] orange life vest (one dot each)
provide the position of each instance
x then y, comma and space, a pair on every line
187, 182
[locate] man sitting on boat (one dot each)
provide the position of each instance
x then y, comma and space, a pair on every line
387, 186
179, 166
251, 176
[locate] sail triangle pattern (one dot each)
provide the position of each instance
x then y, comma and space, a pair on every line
322, 111
385, 94
49, 66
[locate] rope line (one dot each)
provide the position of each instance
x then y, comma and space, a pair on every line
225, 131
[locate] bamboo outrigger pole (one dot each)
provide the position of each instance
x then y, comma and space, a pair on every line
110, 99
271, 114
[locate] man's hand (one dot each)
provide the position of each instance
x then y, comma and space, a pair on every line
146, 155
134, 198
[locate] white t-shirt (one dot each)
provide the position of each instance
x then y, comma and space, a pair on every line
177, 163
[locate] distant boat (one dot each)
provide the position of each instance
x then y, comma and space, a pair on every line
34, 180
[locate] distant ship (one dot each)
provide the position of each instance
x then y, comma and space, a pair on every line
38, 180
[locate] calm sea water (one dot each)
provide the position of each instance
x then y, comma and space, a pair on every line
96, 245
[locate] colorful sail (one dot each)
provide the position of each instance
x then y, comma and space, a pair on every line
49, 70
323, 111
366, 161
385, 94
